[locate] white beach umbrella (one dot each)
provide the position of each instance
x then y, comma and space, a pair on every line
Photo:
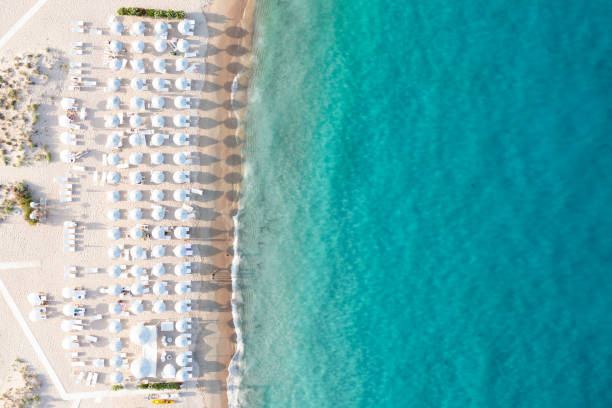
115, 361
137, 289
113, 141
180, 177
180, 121
137, 65
180, 195
66, 325
157, 140
135, 177
161, 27
114, 252
158, 213
159, 64
35, 315
68, 343
114, 64
184, 27
181, 340
135, 158
114, 289
114, 271
35, 300
135, 120
138, 28
179, 158
182, 375
158, 269
113, 158
67, 103
157, 158
137, 103
113, 233
159, 307
157, 102
168, 371
136, 307
181, 307
115, 344
157, 195
116, 28
67, 138
159, 288
181, 214
111, 121
181, 83
136, 139
135, 214
64, 121
114, 308
112, 177
137, 84
157, 176
140, 334
158, 251
137, 47
68, 310
137, 252
137, 271
136, 233
115, 46
182, 359
67, 156
113, 214
113, 102
160, 45
180, 102
135, 195
180, 289
182, 45
140, 368
116, 377
67, 293
159, 83
114, 326
157, 121
113, 84
181, 232
159, 232
181, 64
182, 268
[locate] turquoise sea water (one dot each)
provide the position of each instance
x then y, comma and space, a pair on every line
427, 210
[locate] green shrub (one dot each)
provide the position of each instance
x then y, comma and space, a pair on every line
116, 387
122, 11
155, 13
160, 386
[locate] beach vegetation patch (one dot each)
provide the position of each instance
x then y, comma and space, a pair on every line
160, 386
155, 13
18, 195
20, 387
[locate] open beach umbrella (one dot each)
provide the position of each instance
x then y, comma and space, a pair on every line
182, 268
159, 307
157, 176
137, 65
64, 121
35, 315
182, 359
181, 340
157, 158
180, 102
116, 377
157, 102
114, 64
181, 307
68, 343
180, 121
113, 214
135, 120
181, 214
140, 368
182, 375
115, 361
136, 139
158, 251
168, 371
157, 121
113, 84
66, 325
136, 307
180, 177
67, 156
158, 213
114, 326
68, 310
115, 46
157, 140
67, 103
160, 45
138, 28
67, 293
137, 84
67, 138
137, 47
114, 289
113, 158
116, 28
180, 289
158, 269
157, 195
136, 233
113, 233
159, 288
137, 252
135, 214
181, 232
179, 158
113, 102
115, 344
185, 27
180, 195
135, 158
159, 232
182, 45
137, 103
140, 334
181, 64
114, 271
112, 177
114, 308
137, 271
34, 299
159, 64
180, 251
159, 83
135, 195
113, 141
114, 252
137, 289
135, 177
161, 27
181, 83
111, 121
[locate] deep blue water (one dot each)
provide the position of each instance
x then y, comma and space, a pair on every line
427, 209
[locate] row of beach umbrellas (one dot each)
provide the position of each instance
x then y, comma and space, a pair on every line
138, 103
157, 177
138, 28
157, 269
157, 196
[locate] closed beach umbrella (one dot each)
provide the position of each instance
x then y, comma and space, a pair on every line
116, 377
113, 141
137, 252
180, 102
35, 300
66, 156
136, 233
115, 344
116, 28
181, 232
181, 64
182, 45
159, 64
137, 103
157, 158
182, 375
135, 195
114, 271
114, 290
135, 120
180, 251
158, 251
158, 213
113, 177
113, 102
136, 308
140, 334
111, 121
160, 45
137, 47
182, 359
66, 325
137, 271
157, 140
113, 158
68, 343
157, 121
113, 233
159, 232
138, 28
181, 307
179, 158
157, 177
158, 269
182, 268
113, 196
159, 83
157, 102
168, 371
159, 288
135, 177
181, 214
114, 326
137, 84
180, 177
159, 307
161, 27
114, 252
135, 158
136, 139
137, 289
113, 84
180, 121
140, 368
116, 361
114, 308
157, 195
113, 214
180, 195
114, 64
181, 83
67, 293
180, 289
115, 46
137, 65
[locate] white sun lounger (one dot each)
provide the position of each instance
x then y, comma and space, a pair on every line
95, 31
77, 30
77, 43
77, 23
75, 64
190, 54
71, 275
196, 191
77, 364
96, 317
91, 270
88, 380
75, 72
77, 52
91, 339
72, 354
70, 224
94, 379
80, 377
191, 68
89, 83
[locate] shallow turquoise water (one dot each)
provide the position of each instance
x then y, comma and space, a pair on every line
427, 211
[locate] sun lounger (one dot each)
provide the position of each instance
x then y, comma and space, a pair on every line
77, 30
88, 380
75, 64
95, 31
95, 317
190, 54
79, 377
77, 364
94, 379
89, 83
70, 224
72, 354
91, 270
123, 63
91, 339
70, 275
191, 69
77, 44
77, 51
77, 23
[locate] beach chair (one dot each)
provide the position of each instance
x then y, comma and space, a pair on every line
77, 52
75, 71
95, 317
95, 31
123, 63
91, 270
72, 354
75, 64
191, 68
79, 168
77, 43
89, 83
78, 23
191, 54
77, 30
80, 377
91, 339
77, 364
